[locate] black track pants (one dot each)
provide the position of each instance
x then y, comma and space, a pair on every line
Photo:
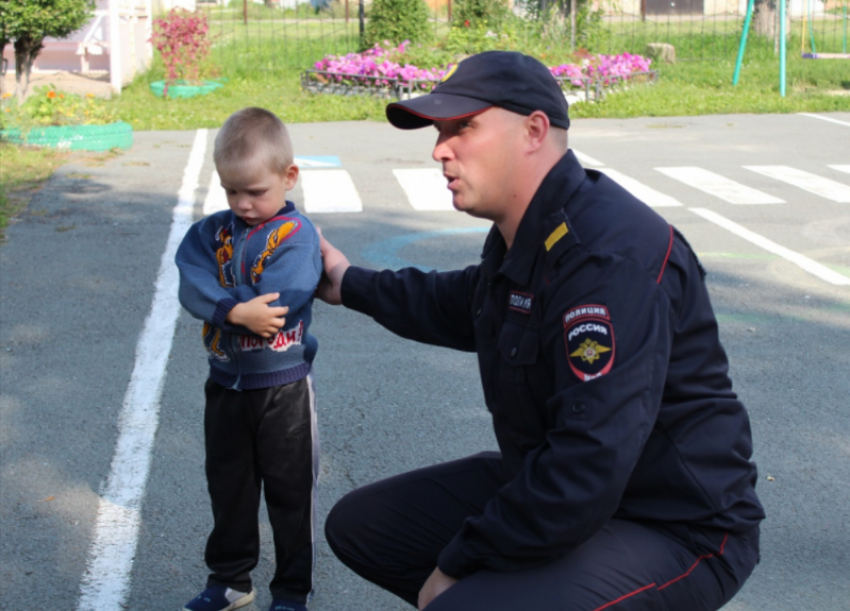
262, 439
392, 532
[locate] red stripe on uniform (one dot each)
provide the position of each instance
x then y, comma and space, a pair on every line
624, 597
672, 581
669, 250
695, 564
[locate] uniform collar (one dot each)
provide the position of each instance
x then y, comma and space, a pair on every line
544, 226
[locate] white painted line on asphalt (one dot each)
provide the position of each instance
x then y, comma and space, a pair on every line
587, 159
216, 199
830, 119
719, 186
812, 183
647, 195
809, 265
841, 168
425, 188
329, 191
107, 578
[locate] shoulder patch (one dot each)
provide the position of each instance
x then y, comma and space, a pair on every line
589, 339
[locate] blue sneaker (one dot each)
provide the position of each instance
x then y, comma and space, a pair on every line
219, 598
285, 605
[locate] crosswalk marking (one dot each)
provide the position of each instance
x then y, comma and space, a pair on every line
809, 265
216, 199
647, 195
329, 191
812, 183
841, 168
719, 186
425, 188
587, 159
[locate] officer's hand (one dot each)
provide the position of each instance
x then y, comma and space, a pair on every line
335, 263
435, 585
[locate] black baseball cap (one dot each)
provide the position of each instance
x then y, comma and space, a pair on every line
507, 79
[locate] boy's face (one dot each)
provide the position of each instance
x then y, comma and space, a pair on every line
254, 192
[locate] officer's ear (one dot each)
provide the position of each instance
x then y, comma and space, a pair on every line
537, 129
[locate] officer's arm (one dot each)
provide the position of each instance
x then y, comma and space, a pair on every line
429, 307
600, 416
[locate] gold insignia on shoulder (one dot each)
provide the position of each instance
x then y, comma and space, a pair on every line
560, 231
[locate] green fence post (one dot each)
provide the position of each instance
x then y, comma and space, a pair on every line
743, 44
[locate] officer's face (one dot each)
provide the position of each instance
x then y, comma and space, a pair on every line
478, 155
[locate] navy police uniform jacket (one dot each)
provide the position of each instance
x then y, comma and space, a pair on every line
602, 369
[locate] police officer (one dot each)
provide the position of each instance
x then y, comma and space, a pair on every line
624, 478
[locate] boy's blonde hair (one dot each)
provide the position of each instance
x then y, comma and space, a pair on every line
253, 135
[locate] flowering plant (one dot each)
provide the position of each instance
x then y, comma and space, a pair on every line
605, 68
378, 62
387, 63
181, 39
49, 106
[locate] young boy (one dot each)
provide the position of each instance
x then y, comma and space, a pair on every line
237, 268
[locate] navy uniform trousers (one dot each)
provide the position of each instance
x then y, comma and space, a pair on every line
391, 533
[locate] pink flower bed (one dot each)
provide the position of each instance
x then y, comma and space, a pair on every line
381, 62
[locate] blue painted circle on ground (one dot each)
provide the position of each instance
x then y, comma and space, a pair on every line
383, 254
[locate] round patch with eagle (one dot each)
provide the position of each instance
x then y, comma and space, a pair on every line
589, 336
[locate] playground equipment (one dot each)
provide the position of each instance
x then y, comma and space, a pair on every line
823, 33
823, 30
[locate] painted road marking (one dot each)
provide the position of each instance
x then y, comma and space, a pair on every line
317, 161
809, 265
647, 195
425, 188
329, 191
107, 578
841, 168
587, 159
719, 186
831, 120
216, 199
812, 183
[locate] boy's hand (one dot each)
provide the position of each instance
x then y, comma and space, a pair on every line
335, 263
258, 316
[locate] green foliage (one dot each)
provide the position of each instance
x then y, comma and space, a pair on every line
396, 21
479, 13
48, 106
38, 19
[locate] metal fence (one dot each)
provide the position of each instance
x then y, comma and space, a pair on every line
252, 34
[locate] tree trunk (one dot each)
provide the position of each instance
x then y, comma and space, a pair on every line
766, 20
2, 72
26, 50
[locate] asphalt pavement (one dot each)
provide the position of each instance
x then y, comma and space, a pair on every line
103, 507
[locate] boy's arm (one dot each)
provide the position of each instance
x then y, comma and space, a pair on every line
258, 316
201, 290
290, 266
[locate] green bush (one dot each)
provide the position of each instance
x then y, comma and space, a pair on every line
396, 21
479, 13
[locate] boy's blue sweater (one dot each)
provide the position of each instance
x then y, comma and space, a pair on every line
222, 262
